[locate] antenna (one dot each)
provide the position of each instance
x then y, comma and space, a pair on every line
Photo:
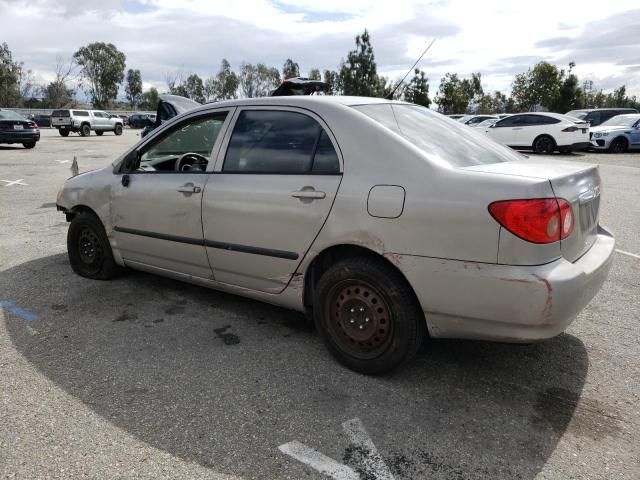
390, 96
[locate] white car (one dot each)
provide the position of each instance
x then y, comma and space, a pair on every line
541, 132
618, 134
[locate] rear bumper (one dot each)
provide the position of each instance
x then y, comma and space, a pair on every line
19, 136
507, 303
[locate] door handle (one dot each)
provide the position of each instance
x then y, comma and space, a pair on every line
189, 188
308, 194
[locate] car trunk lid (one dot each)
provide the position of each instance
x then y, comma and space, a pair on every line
579, 184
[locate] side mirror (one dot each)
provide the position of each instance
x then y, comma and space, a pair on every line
130, 162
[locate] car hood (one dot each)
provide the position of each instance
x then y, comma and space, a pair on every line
608, 128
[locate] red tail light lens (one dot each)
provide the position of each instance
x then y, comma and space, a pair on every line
32, 125
536, 220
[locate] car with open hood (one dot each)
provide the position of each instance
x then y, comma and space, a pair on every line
168, 107
618, 134
384, 221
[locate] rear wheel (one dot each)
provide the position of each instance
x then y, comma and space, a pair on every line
99, 133
29, 144
619, 145
89, 250
64, 133
85, 130
118, 130
544, 144
368, 315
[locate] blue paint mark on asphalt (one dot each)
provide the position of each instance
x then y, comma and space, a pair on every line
16, 310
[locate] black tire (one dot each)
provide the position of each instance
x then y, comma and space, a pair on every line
619, 145
99, 133
64, 133
544, 144
118, 130
89, 250
368, 315
29, 144
85, 130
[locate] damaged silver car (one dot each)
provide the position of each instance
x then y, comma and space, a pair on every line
385, 221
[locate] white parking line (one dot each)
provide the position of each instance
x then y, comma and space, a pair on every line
15, 182
628, 253
371, 460
63, 161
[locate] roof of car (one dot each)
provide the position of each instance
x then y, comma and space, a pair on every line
306, 100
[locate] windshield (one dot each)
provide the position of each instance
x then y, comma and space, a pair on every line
622, 121
440, 139
577, 114
488, 123
464, 118
10, 115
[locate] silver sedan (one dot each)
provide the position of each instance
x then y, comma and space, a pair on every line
386, 222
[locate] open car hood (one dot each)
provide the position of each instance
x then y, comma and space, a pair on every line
171, 106
300, 86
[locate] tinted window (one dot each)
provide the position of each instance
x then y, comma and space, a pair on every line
60, 113
442, 140
271, 142
325, 159
80, 113
195, 136
593, 118
510, 121
539, 120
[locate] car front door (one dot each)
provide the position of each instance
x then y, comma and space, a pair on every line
275, 182
157, 196
505, 130
634, 136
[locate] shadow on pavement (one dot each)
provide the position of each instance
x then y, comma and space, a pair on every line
222, 381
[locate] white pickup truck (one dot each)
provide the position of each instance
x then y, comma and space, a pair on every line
84, 121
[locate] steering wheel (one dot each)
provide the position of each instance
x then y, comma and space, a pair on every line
187, 161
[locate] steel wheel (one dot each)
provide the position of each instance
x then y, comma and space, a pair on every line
90, 249
360, 319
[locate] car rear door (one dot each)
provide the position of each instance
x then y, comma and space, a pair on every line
505, 130
276, 179
156, 203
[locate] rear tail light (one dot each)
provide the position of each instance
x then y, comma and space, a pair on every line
536, 220
570, 129
3, 125
32, 125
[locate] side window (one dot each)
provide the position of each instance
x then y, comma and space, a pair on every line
185, 148
279, 142
508, 121
325, 160
593, 118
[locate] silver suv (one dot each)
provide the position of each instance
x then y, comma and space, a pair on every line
84, 121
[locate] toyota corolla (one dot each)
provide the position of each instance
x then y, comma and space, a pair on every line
384, 221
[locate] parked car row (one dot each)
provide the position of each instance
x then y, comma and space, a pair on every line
380, 254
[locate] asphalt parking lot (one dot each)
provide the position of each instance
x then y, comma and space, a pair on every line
145, 377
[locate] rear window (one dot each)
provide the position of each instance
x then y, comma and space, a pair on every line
10, 115
60, 113
441, 139
80, 113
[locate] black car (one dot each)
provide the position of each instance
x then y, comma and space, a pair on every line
14, 128
596, 116
41, 120
141, 120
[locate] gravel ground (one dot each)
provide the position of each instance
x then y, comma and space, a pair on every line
144, 377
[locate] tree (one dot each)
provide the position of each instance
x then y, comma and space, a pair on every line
149, 100
56, 93
332, 78
358, 74
194, 88
226, 82
102, 67
10, 74
133, 88
570, 95
417, 90
290, 69
315, 74
538, 86
258, 80
456, 95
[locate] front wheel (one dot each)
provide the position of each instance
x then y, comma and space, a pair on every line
544, 144
118, 130
29, 144
619, 145
89, 250
368, 315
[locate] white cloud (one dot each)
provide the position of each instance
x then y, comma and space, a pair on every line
497, 38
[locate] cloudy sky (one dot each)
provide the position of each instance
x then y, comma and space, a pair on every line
495, 37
